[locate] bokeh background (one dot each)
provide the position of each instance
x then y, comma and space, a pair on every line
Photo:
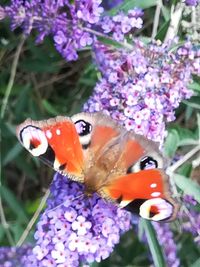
46, 85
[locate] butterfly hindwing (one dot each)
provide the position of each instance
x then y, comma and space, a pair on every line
54, 141
145, 192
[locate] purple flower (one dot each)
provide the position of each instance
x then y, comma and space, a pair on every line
72, 29
120, 25
10, 257
89, 11
142, 87
50, 18
75, 230
192, 2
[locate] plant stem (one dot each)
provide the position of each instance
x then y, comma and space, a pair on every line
126, 45
33, 219
156, 19
187, 156
176, 14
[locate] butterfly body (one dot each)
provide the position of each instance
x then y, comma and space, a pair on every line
93, 149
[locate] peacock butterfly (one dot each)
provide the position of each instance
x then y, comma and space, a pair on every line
119, 165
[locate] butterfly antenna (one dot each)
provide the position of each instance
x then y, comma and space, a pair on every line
81, 195
61, 204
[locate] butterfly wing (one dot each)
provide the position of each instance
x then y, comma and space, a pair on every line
56, 142
145, 192
144, 187
93, 149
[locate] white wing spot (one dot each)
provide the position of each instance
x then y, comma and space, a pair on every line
58, 132
153, 185
155, 194
48, 134
31, 133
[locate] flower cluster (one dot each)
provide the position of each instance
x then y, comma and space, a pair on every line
192, 2
12, 257
73, 230
141, 87
50, 17
70, 23
120, 25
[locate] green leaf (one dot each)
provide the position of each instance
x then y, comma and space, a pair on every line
165, 12
188, 113
2, 232
185, 169
130, 4
28, 169
156, 250
49, 108
194, 102
39, 66
195, 86
140, 231
198, 125
32, 206
22, 102
17, 231
110, 42
12, 153
196, 263
171, 143
179, 136
162, 32
11, 200
188, 186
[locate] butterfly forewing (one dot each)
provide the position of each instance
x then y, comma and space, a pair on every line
54, 141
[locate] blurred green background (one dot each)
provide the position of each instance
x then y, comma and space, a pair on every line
45, 85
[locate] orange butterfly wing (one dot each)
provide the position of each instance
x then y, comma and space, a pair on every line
56, 142
145, 192
93, 149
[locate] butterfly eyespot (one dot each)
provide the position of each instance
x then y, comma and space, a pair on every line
34, 140
156, 209
84, 130
148, 163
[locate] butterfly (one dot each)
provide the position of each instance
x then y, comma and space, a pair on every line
119, 165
